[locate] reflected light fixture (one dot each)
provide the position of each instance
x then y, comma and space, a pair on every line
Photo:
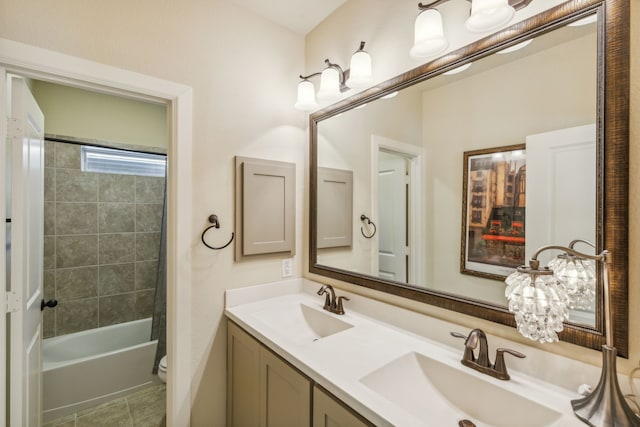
457, 69
539, 298
584, 21
515, 47
485, 15
334, 80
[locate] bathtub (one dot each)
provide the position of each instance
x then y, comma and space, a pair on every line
87, 368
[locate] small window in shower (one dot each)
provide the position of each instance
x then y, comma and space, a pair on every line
111, 160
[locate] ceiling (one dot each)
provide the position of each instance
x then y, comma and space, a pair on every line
300, 16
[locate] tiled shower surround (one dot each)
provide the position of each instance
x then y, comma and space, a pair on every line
101, 245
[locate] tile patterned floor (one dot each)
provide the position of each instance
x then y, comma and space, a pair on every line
144, 408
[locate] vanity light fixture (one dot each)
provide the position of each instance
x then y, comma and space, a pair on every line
485, 15
360, 74
429, 39
539, 298
334, 80
488, 15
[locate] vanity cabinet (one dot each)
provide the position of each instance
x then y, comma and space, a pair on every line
328, 412
264, 390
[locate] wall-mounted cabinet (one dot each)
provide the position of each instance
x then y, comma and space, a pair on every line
264, 390
265, 207
335, 208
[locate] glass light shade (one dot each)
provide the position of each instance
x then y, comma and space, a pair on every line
578, 275
538, 302
360, 70
329, 84
306, 96
487, 15
429, 37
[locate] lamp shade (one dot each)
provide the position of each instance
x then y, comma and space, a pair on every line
538, 301
429, 37
329, 84
487, 15
360, 70
578, 275
306, 96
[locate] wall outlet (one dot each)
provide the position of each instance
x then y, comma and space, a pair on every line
287, 267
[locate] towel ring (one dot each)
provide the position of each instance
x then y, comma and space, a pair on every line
215, 223
363, 218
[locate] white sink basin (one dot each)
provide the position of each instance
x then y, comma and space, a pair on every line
443, 395
301, 323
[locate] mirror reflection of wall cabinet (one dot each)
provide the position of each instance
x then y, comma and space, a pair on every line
265, 207
560, 83
335, 218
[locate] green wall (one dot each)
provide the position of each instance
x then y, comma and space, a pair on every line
90, 115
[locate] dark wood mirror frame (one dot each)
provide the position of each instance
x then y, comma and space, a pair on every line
612, 163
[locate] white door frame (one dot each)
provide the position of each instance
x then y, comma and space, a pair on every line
33, 62
415, 155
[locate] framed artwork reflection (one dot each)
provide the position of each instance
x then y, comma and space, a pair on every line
493, 211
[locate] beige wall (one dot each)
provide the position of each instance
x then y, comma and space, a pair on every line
90, 115
243, 70
388, 31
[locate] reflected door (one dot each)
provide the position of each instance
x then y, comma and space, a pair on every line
562, 197
392, 212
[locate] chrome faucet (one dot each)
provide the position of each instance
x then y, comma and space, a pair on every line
331, 303
482, 363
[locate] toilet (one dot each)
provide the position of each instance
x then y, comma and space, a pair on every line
162, 369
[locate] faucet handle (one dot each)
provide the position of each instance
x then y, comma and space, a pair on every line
339, 308
327, 296
500, 367
468, 351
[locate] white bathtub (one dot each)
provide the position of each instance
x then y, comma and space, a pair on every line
87, 368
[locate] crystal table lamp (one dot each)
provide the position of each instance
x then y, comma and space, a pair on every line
540, 298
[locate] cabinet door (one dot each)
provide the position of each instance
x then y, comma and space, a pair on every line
328, 412
287, 394
265, 207
243, 374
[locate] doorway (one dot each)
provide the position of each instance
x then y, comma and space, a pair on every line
397, 204
32, 62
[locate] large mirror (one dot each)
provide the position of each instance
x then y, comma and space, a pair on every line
436, 184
